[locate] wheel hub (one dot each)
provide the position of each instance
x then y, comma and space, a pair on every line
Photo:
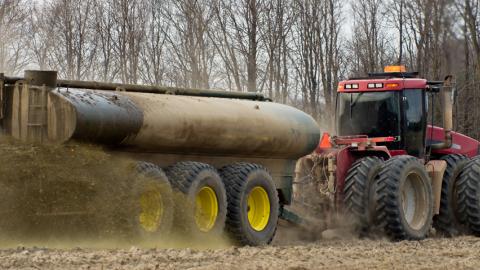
206, 210
151, 208
413, 201
258, 207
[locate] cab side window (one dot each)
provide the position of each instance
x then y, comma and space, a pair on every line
413, 102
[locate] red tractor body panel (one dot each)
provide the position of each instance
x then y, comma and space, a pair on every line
346, 150
461, 144
385, 84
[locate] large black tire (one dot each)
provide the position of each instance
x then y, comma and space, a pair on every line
359, 191
139, 210
194, 179
405, 199
153, 179
447, 222
467, 191
245, 182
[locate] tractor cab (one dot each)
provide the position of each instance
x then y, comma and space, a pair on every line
388, 104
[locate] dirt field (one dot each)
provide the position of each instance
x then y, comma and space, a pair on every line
457, 253
289, 250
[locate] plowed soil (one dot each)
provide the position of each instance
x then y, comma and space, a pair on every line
456, 253
25, 244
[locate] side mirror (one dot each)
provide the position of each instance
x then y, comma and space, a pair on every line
433, 89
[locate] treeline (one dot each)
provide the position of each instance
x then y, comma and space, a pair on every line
294, 51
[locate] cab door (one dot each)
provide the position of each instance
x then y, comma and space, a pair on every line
414, 121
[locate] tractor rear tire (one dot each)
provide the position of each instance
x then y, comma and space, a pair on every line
405, 199
253, 204
447, 222
205, 208
467, 190
359, 191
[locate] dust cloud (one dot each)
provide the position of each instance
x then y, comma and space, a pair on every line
66, 196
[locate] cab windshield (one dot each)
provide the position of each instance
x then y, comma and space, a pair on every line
375, 114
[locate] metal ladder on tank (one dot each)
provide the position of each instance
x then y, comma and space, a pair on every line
37, 114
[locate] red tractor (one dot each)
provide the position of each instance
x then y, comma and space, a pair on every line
388, 167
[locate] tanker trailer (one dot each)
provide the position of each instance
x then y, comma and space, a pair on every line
232, 154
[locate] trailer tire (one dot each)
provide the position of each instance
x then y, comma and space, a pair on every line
467, 190
359, 197
405, 199
253, 204
134, 210
447, 222
205, 210
155, 208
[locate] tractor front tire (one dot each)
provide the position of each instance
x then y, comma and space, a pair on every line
405, 199
253, 205
447, 222
359, 191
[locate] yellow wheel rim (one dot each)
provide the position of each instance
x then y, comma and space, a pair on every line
206, 210
151, 208
258, 207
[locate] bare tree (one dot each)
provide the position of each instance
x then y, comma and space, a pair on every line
129, 35
240, 22
153, 64
470, 12
428, 25
277, 24
192, 53
468, 98
74, 46
39, 34
250, 13
330, 51
104, 24
13, 20
307, 43
318, 54
223, 40
396, 16
370, 44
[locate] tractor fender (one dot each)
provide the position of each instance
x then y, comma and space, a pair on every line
346, 157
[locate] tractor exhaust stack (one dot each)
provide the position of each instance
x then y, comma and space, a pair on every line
446, 94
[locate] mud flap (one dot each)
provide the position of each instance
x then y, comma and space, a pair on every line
436, 169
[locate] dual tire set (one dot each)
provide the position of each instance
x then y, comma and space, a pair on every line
239, 199
395, 197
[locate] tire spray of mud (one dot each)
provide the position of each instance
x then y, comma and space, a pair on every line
75, 196
321, 218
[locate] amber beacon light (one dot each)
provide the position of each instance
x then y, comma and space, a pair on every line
395, 69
